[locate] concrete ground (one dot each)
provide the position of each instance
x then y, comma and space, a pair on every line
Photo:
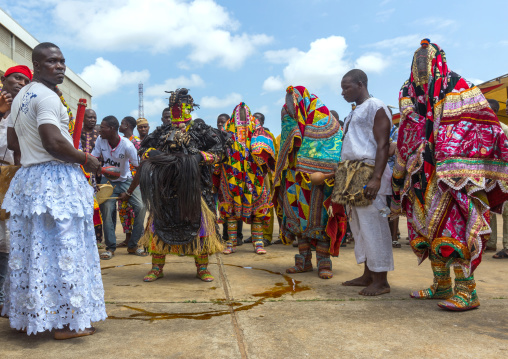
254, 310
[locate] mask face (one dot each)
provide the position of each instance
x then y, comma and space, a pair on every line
290, 105
422, 62
181, 113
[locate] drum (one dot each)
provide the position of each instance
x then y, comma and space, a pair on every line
111, 173
104, 193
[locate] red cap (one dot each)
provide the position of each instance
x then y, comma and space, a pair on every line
22, 69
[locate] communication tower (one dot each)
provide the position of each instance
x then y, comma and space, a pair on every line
141, 110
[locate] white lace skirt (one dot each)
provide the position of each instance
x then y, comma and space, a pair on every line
54, 268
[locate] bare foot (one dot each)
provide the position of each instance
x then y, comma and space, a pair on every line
375, 289
61, 334
362, 281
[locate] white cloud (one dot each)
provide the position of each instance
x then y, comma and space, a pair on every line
263, 109
232, 99
371, 63
281, 56
158, 26
321, 66
405, 42
273, 83
439, 23
475, 81
383, 16
280, 101
104, 77
402, 44
174, 83
151, 108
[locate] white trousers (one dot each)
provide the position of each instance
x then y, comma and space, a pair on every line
373, 241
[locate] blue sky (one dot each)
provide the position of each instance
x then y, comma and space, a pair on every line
232, 51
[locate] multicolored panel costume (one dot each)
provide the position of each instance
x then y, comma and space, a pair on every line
243, 193
451, 169
311, 141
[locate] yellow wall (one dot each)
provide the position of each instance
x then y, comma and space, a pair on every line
5, 63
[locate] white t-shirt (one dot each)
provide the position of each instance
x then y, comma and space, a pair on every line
36, 105
120, 156
359, 143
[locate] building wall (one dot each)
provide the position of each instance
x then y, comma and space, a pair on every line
14, 51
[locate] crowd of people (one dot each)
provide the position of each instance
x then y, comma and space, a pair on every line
445, 168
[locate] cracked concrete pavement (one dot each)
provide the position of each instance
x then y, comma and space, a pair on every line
254, 310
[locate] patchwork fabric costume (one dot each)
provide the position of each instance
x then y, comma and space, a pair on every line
451, 169
311, 141
243, 192
176, 185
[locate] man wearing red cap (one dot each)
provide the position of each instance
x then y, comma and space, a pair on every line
14, 79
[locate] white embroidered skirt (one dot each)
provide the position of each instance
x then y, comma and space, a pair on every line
54, 276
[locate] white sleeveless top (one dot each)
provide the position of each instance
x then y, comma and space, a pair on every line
359, 143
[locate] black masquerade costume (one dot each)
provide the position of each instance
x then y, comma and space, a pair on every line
176, 185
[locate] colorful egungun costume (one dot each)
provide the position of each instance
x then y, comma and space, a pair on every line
243, 193
176, 185
311, 141
451, 168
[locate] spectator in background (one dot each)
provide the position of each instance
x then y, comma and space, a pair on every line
125, 210
143, 128
166, 116
336, 115
119, 152
14, 79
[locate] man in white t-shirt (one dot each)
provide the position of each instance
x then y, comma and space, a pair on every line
366, 139
119, 152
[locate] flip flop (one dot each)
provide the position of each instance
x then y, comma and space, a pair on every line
500, 255
138, 252
62, 334
107, 255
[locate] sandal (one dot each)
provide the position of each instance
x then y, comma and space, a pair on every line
100, 245
107, 255
123, 244
396, 244
137, 252
62, 334
502, 254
